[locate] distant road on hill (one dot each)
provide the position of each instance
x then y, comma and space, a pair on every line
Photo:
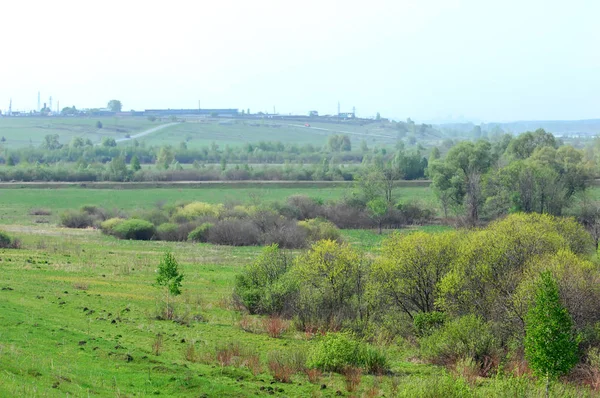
146, 132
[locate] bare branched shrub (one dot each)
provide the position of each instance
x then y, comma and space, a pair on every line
275, 326
253, 364
352, 376
157, 345
251, 324
283, 365
314, 375
40, 212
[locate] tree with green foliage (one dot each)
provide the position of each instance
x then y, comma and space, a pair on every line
169, 278
406, 276
332, 277
109, 142
135, 163
525, 144
550, 343
118, 169
165, 157
11, 161
77, 142
51, 142
114, 105
459, 177
377, 208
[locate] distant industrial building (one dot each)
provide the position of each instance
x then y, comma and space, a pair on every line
192, 112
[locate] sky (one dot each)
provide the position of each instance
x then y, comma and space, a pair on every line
430, 60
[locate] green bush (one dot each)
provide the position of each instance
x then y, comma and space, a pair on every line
427, 322
336, 351
6, 242
318, 229
108, 225
76, 219
134, 229
262, 287
168, 232
200, 234
465, 337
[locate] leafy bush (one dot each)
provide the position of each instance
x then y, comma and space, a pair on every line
319, 229
261, 286
197, 210
76, 219
155, 216
465, 337
168, 232
336, 351
427, 322
6, 242
413, 213
200, 234
108, 225
134, 229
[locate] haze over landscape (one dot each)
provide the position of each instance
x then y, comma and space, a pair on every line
428, 60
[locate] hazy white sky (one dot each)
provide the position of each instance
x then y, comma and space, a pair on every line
424, 59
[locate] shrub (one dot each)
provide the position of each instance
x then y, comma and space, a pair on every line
168, 232
234, 233
304, 206
374, 360
465, 337
200, 234
134, 229
427, 322
40, 212
155, 216
285, 233
413, 213
352, 375
6, 242
108, 225
346, 216
283, 365
275, 326
314, 375
76, 219
261, 286
337, 351
319, 229
197, 210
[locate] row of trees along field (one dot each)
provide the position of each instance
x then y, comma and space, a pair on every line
338, 146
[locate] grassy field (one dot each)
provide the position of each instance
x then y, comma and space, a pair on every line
16, 204
99, 339
78, 312
25, 131
197, 134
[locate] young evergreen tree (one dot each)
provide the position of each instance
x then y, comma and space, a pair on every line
550, 344
169, 278
135, 163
